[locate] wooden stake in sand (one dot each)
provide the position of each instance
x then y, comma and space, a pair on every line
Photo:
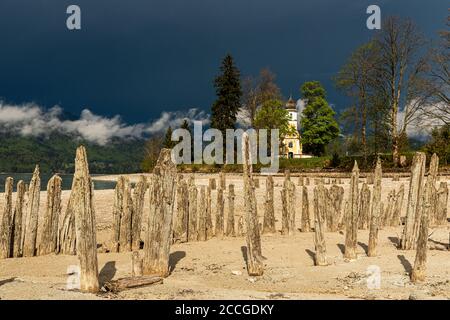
212, 183
18, 220
67, 237
180, 231
222, 180
419, 271
288, 206
352, 219
125, 238
230, 219
415, 197
209, 225
29, 246
269, 211
192, 221
138, 211
83, 208
306, 225
49, 234
6, 221
255, 266
398, 205
336, 195
364, 207
320, 258
376, 211
202, 215
220, 205
119, 193
441, 207
307, 181
159, 226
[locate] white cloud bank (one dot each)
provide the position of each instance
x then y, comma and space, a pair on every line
33, 120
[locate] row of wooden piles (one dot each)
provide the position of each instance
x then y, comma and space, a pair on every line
426, 205
77, 231
19, 232
194, 220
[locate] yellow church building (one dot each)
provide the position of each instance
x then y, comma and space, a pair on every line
291, 146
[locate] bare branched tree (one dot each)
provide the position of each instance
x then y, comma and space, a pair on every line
356, 79
439, 80
258, 90
399, 75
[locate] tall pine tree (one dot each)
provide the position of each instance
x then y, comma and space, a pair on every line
228, 91
168, 143
318, 125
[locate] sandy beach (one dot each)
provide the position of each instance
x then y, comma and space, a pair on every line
215, 269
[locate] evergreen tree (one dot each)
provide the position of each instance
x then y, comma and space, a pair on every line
168, 143
228, 91
318, 125
185, 125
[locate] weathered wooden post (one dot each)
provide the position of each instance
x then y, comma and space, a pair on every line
138, 210
192, 221
352, 219
209, 224
240, 226
305, 224
364, 207
212, 183
202, 215
398, 205
269, 211
291, 206
230, 220
125, 235
67, 237
83, 207
328, 210
418, 273
255, 266
442, 200
49, 234
387, 214
222, 181
414, 206
117, 213
220, 205
6, 221
336, 194
288, 206
419, 270
180, 226
29, 246
320, 258
341, 208
159, 226
284, 212
18, 220
376, 211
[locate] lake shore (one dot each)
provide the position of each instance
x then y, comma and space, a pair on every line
215, 269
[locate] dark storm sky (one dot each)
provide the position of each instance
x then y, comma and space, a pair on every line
138, 58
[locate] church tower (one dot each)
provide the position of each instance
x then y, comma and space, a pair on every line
291, 146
